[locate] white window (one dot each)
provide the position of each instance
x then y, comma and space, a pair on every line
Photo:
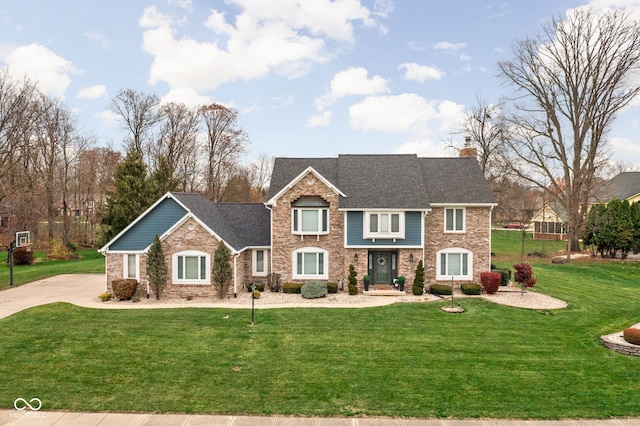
310, 221
454, 219
130, 266
384, 225
310, 262
191, 267
456, 263
259, 263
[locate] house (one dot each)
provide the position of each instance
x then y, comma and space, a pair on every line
381, 213
623, 186
550, 222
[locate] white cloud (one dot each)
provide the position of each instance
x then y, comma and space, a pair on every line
351, 82
286, 37
186, 96
425, 147
417, 72
50, 71
185, 4
445, 45
320, 120
396, 113
108, 119
92, 92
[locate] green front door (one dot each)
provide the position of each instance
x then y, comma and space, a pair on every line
382, 266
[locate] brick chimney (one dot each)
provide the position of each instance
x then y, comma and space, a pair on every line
469, 151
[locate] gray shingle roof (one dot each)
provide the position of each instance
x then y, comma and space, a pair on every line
622, 186
392, 181
241, 225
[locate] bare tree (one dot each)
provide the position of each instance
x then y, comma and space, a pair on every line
260, 175
139, 113
224, 144
572, 80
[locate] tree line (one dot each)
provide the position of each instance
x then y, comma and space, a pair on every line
57, 183
613, 228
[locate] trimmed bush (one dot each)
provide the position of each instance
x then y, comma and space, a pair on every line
505, 275
124, 289
105, 296
332, 287
632, 335
490, 281
259, 286
292, 288
353, 281
418, 281
471, 289
314, 290
256, 294
22, 256
440, 289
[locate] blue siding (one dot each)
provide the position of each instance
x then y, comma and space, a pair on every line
156, 222
412, 231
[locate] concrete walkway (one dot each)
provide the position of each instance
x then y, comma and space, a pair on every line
50, 418
83, 289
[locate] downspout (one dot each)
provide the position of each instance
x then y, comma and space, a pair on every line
235, 274
490, 235
270, 238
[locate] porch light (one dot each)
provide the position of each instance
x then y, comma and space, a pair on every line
355, 258
410, 257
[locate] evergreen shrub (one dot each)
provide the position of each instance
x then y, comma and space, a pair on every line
440, 289
471, 289
332, 287
292, 288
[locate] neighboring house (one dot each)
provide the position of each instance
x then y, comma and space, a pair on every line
623, 186
381, 213
550, 222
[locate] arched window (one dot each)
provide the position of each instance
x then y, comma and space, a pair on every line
454, 262
191, 267
310, 262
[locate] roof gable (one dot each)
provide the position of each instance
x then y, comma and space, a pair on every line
274, 198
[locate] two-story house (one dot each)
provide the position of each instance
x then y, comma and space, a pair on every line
380, 213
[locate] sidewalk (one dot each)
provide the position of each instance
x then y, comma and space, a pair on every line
50, 418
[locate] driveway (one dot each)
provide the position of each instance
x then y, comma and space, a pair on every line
79, 289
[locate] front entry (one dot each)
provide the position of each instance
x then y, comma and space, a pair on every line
383, 266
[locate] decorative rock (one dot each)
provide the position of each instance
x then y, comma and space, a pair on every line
453, 309
314, 290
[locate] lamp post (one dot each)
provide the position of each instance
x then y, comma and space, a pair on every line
253, 288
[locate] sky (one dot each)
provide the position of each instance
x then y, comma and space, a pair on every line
309, 78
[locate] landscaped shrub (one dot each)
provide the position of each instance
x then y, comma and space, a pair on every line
256, 294
524, 275
22, 256
259, 286
418, 282
353, 281
273, 282
471, 289
313, 290
105, 297
332, 287
632, 335
61, 251
440, 289
490, 281
292, 288
124, 289
505, 275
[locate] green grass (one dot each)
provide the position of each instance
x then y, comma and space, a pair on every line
403, 360
91, 262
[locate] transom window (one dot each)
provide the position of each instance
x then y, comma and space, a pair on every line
191, 267
384, 224
454, 219
310, 221
456, 263
310, 262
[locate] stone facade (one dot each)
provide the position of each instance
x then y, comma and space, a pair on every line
284, 242
475, 238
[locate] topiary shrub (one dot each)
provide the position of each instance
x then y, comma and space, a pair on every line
353, 281
440, 289
332, 287
292, 288
471, 289
124, 289
490, 281
632, 335
505, 276
418, 282
22, 256
314, 290
105, 297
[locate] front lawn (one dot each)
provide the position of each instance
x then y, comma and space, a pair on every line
404, 360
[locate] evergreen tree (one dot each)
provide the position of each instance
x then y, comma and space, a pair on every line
157, 270
129, 198
418, 281
222, 272
162, 180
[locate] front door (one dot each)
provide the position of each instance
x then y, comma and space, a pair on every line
382, 266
